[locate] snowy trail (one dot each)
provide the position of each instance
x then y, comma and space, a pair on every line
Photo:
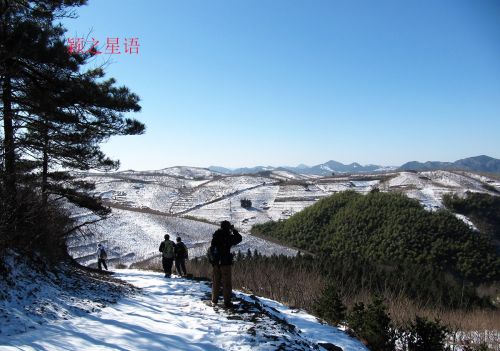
169, 314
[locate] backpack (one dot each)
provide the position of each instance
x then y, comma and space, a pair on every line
213, 255
168, 249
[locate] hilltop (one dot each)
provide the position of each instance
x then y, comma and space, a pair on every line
390, 229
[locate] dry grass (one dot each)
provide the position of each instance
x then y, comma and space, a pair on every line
151, 264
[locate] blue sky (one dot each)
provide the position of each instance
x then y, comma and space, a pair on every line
282, 82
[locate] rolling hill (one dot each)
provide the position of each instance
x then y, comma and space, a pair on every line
481, 163
190, 202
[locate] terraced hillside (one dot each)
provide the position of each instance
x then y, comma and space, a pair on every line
190, 202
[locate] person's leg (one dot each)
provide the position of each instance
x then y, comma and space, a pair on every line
99, 264
216, 281
178, 266
183, 267
104, 264
226, 284
170, 262
164, 263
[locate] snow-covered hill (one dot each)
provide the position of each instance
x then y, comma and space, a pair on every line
133, 236
190, 202
429, 186
172, 314
31, 294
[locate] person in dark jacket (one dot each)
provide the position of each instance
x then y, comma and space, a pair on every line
167, 249
102, 256
181, 255
222, 240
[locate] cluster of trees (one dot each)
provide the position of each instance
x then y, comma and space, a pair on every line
55, 112
373, 325
389, 229
246, 203
384, 244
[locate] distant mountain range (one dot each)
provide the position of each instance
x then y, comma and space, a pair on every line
477, 164
324, 169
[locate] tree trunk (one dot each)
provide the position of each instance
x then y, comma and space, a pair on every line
45, 163
9, 146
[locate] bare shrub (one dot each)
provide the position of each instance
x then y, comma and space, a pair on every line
34, 227
150, 264
299, 287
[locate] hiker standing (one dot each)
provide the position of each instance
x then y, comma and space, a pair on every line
167, 249
222, 240
181, 255
102, 256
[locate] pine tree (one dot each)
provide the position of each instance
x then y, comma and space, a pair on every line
329, 306
25, 29
54, 115
66, 138
426, 335
373, 324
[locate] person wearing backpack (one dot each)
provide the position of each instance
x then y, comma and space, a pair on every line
222, 259
167, 249
102, 256
181, 255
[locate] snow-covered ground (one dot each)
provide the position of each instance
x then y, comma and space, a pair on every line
131, 236
32, 295
429, 187
171, 314
177, 200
